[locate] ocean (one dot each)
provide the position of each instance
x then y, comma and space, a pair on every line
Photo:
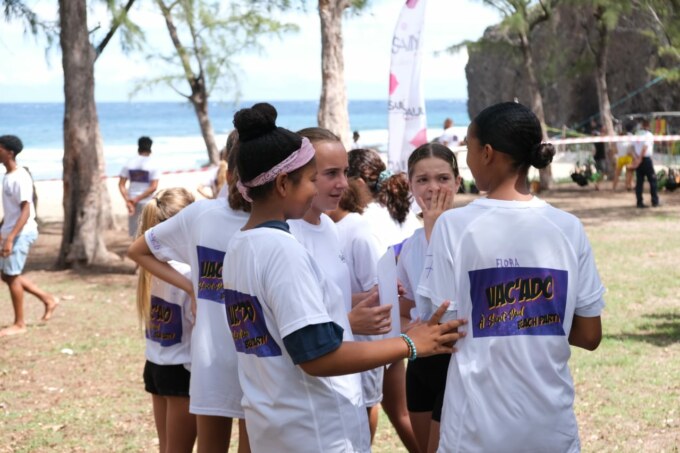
173, 126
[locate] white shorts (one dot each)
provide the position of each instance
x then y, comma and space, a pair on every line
371, 380
214, 388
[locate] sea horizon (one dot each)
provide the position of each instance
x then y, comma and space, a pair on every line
174, 128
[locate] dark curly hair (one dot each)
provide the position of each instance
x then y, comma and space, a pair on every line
512, 128
390, 191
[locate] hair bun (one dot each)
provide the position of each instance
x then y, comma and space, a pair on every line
542, 154
255, 122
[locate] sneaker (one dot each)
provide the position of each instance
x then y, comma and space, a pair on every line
642, 206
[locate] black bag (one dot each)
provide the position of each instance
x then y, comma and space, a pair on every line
672, 180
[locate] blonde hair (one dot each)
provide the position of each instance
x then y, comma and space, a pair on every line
164, 205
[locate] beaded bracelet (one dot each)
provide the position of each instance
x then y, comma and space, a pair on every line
412, 352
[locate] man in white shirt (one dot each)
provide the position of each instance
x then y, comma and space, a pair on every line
143, 175
644, 167
19, 230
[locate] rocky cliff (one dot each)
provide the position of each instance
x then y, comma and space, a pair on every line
566, 70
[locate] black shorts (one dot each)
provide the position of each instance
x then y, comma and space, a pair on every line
166, 380
425, 384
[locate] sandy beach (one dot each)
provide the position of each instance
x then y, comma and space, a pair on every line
51, 193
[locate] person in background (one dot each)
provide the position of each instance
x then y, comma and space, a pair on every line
219, 174
355, 140
624, 157
644, 167
18, 232
143, 174
449, 137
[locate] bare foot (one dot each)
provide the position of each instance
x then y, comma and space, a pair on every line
12, 330
50, 306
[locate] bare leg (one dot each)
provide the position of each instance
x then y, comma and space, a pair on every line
16, 292
159, 414
394, 403
421, 423
617, 175
46, 298
180, 425
373, 413
629, 179
243, 442
433, 443
214, 433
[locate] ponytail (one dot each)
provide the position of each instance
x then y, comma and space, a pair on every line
164, 205
394, 194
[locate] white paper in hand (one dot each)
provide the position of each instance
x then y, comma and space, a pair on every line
387, 288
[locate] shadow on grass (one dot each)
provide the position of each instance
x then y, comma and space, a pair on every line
659, 329
44, 253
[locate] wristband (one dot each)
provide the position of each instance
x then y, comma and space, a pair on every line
412, 352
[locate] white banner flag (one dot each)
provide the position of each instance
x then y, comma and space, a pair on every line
407, 122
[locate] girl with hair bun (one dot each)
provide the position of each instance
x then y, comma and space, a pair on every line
297, 363
165, 312
523, 275
198, 236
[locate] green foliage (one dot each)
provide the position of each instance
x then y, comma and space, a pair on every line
666, 16
18, 10
209, 35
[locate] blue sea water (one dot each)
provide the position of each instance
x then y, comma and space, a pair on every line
174, 128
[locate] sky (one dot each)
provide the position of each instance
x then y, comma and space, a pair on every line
288, 68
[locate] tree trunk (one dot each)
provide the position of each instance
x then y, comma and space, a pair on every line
333, 110
84, 220
601, 57
200, 103
545, 174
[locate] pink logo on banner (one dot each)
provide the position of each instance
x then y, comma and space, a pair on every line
420, 138
411, 3
394, 83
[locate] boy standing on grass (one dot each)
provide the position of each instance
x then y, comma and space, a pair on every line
143, 173
19, 230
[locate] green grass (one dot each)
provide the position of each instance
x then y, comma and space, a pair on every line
627, 391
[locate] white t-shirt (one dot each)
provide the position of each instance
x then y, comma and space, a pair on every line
409, 269
168, 337
199, 235
387, 231
361, 251
140, 171
362, 254
323, 243
623, 148
276, 290
649, 142
449, 137
17, 187
518, 272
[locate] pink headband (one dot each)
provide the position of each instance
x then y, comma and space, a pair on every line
296, 160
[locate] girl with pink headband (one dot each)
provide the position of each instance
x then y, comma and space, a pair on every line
296, 358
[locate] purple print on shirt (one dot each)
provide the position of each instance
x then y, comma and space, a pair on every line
518, 301
139, 176
165, 326
210, 283
248, 326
